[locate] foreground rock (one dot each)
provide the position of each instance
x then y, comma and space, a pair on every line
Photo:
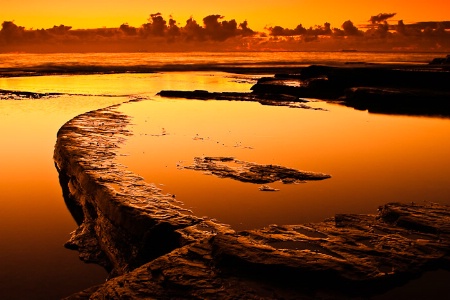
123, 221
344, 257
155, 249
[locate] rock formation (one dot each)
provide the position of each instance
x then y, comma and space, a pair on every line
252, 172
154, 249
411, 90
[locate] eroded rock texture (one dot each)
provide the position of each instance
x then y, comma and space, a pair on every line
123, 221
156, 250
340, 258
252, 172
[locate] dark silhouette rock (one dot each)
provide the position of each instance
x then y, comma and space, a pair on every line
276, 98
441, 60
412, 90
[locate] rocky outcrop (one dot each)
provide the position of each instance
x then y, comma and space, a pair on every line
441, 61
275, 99
155, 249
20, 95
412, 90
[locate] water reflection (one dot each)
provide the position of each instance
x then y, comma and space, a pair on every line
34, 222
373, 159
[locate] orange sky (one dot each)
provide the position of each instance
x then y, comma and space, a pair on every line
286, 13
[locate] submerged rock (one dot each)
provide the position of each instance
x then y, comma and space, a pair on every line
252, 172
20, 95
266, 188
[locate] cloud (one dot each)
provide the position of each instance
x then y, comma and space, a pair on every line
217, 33
11, 33
349, 29
381, 18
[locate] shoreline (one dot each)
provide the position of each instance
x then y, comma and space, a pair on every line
137, 233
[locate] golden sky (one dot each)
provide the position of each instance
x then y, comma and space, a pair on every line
259, 14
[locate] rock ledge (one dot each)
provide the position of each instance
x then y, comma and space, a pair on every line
155, 249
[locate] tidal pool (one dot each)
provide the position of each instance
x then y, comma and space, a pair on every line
373, 159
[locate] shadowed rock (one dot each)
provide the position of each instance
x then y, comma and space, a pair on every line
412, 90
441, 61
398, 101
340, 258
271, 99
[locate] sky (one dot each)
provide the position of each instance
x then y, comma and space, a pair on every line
259, 14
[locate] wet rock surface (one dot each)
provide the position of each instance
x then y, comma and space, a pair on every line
271, 99
251, 172
345, 257
120, 216
155, 249
391, 89
411, 90
21, 95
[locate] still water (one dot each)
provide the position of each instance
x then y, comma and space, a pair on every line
34, 221
373, 159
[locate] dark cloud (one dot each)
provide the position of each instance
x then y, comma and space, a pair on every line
245, 30
349, 29
193, 31
217, 33
219, 30
381, 18
432, 25
280, 31
11, 32
128, 30
173, 30
156, 26
317, 30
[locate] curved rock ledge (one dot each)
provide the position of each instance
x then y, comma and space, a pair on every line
123, 221
154, 249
